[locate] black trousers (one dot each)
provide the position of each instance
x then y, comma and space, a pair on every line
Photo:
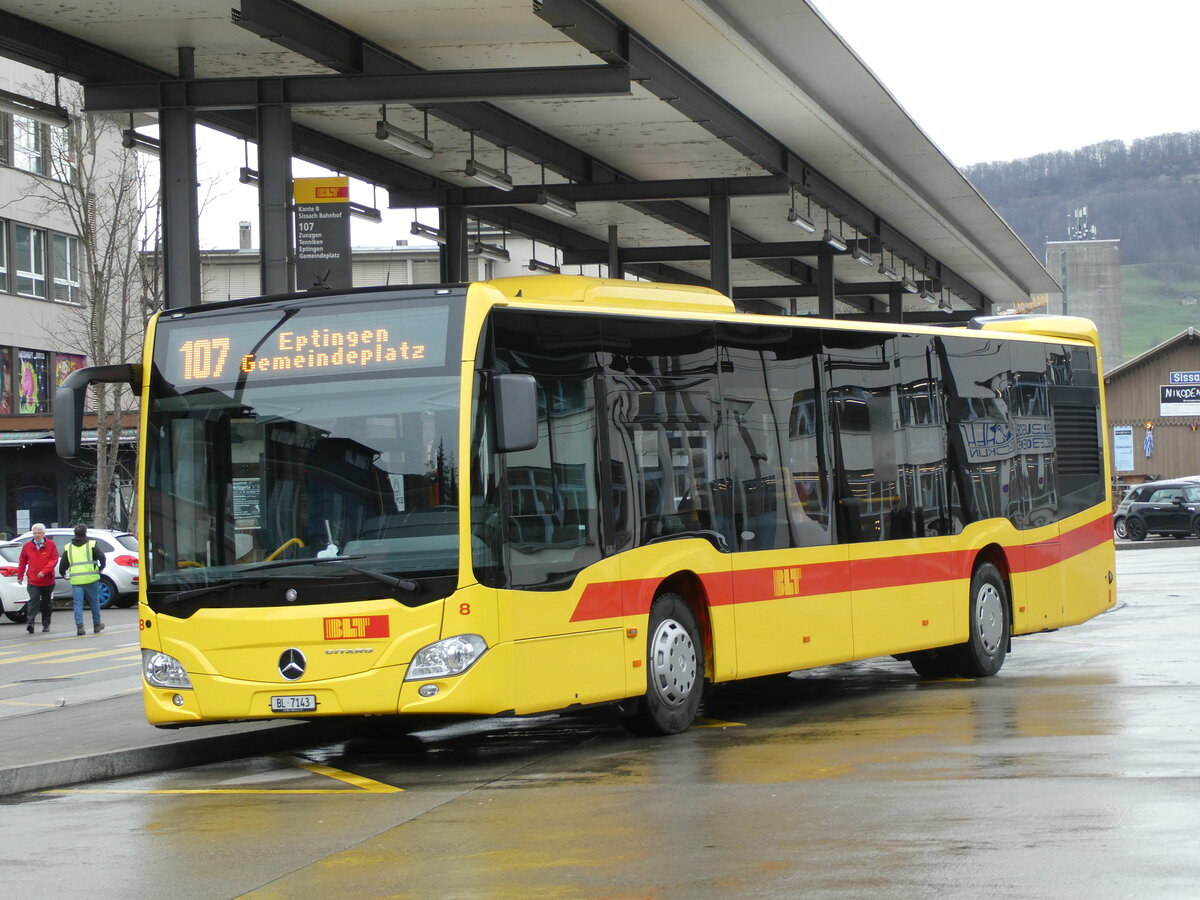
41, 596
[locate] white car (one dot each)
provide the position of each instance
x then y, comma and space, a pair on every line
118, 578
13, 596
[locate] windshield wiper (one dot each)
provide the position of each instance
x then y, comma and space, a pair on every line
403, 584
230, 583
286, 563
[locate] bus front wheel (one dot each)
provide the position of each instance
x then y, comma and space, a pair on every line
674, 670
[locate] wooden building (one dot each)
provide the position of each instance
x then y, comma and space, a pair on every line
1156, 394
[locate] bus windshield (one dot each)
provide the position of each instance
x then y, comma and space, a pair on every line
340, 474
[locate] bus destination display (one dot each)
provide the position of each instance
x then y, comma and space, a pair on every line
362, 341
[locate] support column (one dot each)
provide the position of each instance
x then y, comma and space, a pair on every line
615, 269
895, 303
454, 252
277, 267
181, 210
720, 244
825, 282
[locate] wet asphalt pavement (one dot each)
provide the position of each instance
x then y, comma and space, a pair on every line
1075, 772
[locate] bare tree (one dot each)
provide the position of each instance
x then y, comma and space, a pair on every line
103, 191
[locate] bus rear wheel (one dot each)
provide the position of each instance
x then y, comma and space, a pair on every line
674, 670
983, 653
986, 646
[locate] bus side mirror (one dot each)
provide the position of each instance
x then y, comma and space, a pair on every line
70, 396
516, 412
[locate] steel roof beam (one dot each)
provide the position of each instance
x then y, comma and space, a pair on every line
611, 191
413, 88
612, 41
71, 57
323, 40
694, 252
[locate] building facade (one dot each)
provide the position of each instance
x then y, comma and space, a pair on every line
1090, 274
1154, 412
41, 307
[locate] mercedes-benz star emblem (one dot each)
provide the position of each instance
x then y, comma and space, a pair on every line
291, 664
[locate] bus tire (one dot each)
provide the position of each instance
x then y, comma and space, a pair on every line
987, 644
938, 663
674, 670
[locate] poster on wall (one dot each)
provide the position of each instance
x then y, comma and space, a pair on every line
33, 391
6, 380
1123, 448
65, 364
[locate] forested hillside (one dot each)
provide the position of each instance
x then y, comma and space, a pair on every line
1147, 194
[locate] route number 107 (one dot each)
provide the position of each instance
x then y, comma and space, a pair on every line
204, 358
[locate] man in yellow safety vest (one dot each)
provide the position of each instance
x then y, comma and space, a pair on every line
81, 562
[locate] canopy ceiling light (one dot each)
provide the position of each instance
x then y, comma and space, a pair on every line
247, 175
835, 241
484, 174
887, 271
489, 251
362, 211
404, 140
858, 254
131, 140
422, 230
798, 219
487, 175
907, 283
536, 265
557, 204
28, 108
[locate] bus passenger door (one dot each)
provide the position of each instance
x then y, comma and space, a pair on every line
884, 407
568, 641
790, 581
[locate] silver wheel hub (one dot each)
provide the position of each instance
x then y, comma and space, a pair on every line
672, 663
989, 610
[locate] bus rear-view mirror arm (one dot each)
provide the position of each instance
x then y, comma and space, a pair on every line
71, 394
516, 412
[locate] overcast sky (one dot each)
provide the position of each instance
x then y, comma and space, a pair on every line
985, 81
1005, 80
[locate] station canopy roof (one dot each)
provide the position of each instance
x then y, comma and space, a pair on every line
757, 100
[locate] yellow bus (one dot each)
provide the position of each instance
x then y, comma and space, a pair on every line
546, 493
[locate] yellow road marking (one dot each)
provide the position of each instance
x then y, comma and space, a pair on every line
362, 785
62, 655
80, 656
704, 722
27, 703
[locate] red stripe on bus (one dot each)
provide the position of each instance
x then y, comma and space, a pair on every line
610, 600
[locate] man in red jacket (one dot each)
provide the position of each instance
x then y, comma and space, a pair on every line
39, 557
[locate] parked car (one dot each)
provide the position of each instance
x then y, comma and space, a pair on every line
13, 596
119, 577
1169, 507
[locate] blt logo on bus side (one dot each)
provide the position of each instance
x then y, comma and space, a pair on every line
787, 582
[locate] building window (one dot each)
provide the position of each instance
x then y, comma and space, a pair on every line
30, 244
29, 145
64, 267
5, 133
3, 255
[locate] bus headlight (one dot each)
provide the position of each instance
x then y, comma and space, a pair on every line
164, 671
453, 656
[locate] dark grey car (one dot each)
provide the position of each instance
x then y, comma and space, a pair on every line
1169, 508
